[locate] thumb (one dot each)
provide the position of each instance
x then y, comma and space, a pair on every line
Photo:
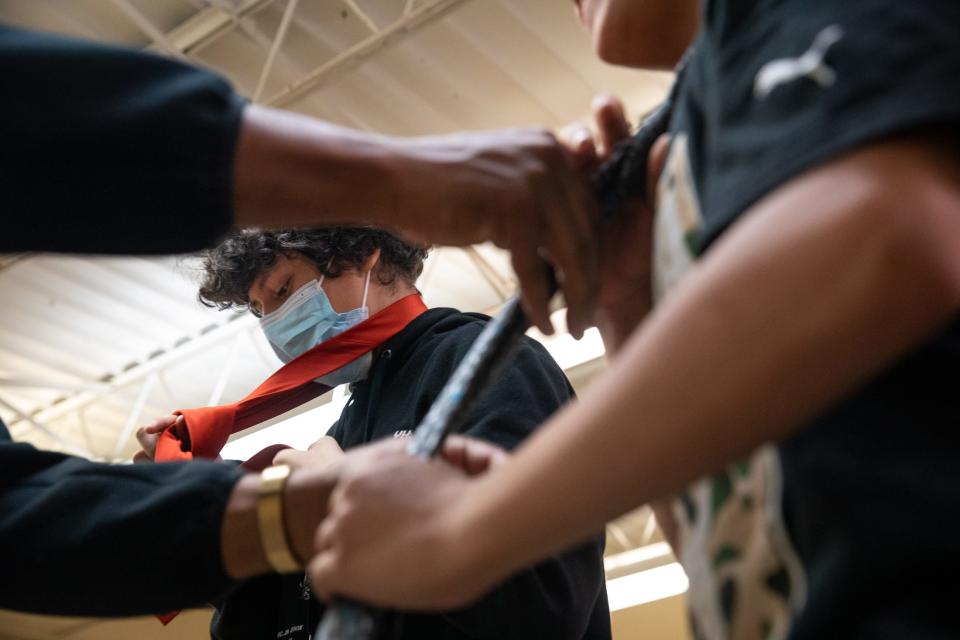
322, 570
578, 140
162, 424
655, 164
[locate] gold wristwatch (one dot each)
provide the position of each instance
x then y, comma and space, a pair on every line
273, 534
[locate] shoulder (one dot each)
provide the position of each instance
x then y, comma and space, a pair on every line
457, 331
449, 340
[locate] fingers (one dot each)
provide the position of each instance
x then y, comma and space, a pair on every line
291, 457
574, 251
554, 217
570, 235
612, 124
141, 458
149, 435
531, 271
148, 442
578, 140
655, 164
322, 570
162, 424
328, 444
472, 455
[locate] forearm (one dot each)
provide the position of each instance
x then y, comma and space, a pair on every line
304, 505
96, 539
293, 170
616, 324
783, 317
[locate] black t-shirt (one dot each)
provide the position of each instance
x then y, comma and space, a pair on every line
562, 598
848, 528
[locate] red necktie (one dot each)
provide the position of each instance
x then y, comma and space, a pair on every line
209, 428
293, 384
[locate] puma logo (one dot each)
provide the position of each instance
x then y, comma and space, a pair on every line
810, 65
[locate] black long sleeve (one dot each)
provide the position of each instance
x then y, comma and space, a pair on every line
81, 538
110, 150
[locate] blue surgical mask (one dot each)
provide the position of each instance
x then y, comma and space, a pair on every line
306, 319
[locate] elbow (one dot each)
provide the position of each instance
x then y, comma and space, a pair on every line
894, 220
915, 238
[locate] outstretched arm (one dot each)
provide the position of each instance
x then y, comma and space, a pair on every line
150, 155
98, 539
516, 188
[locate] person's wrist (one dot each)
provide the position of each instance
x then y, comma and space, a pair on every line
240, 546
305, 498
623, 312
475, 544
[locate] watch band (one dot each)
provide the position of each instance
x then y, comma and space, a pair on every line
273, 533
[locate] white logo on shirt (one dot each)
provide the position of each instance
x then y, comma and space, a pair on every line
402, 433
809, 65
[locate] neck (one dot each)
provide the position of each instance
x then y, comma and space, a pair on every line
381, 298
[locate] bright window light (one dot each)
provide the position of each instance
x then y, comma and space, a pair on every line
625, 559
646, 586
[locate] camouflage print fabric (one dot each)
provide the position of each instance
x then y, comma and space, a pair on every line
745, 577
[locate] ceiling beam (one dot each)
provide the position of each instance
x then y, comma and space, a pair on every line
209, 24
406, 24
159, 38
274, 47
363, 15
43, 383
67, 444
236, 325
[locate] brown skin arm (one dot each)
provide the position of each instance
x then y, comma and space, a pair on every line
625, 296
796, 301
305, 501
518, 188
304, 505
818, 287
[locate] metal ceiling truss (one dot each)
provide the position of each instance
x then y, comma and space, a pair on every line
214, 21
148, 374
415, 16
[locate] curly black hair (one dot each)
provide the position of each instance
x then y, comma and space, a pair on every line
230, 268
